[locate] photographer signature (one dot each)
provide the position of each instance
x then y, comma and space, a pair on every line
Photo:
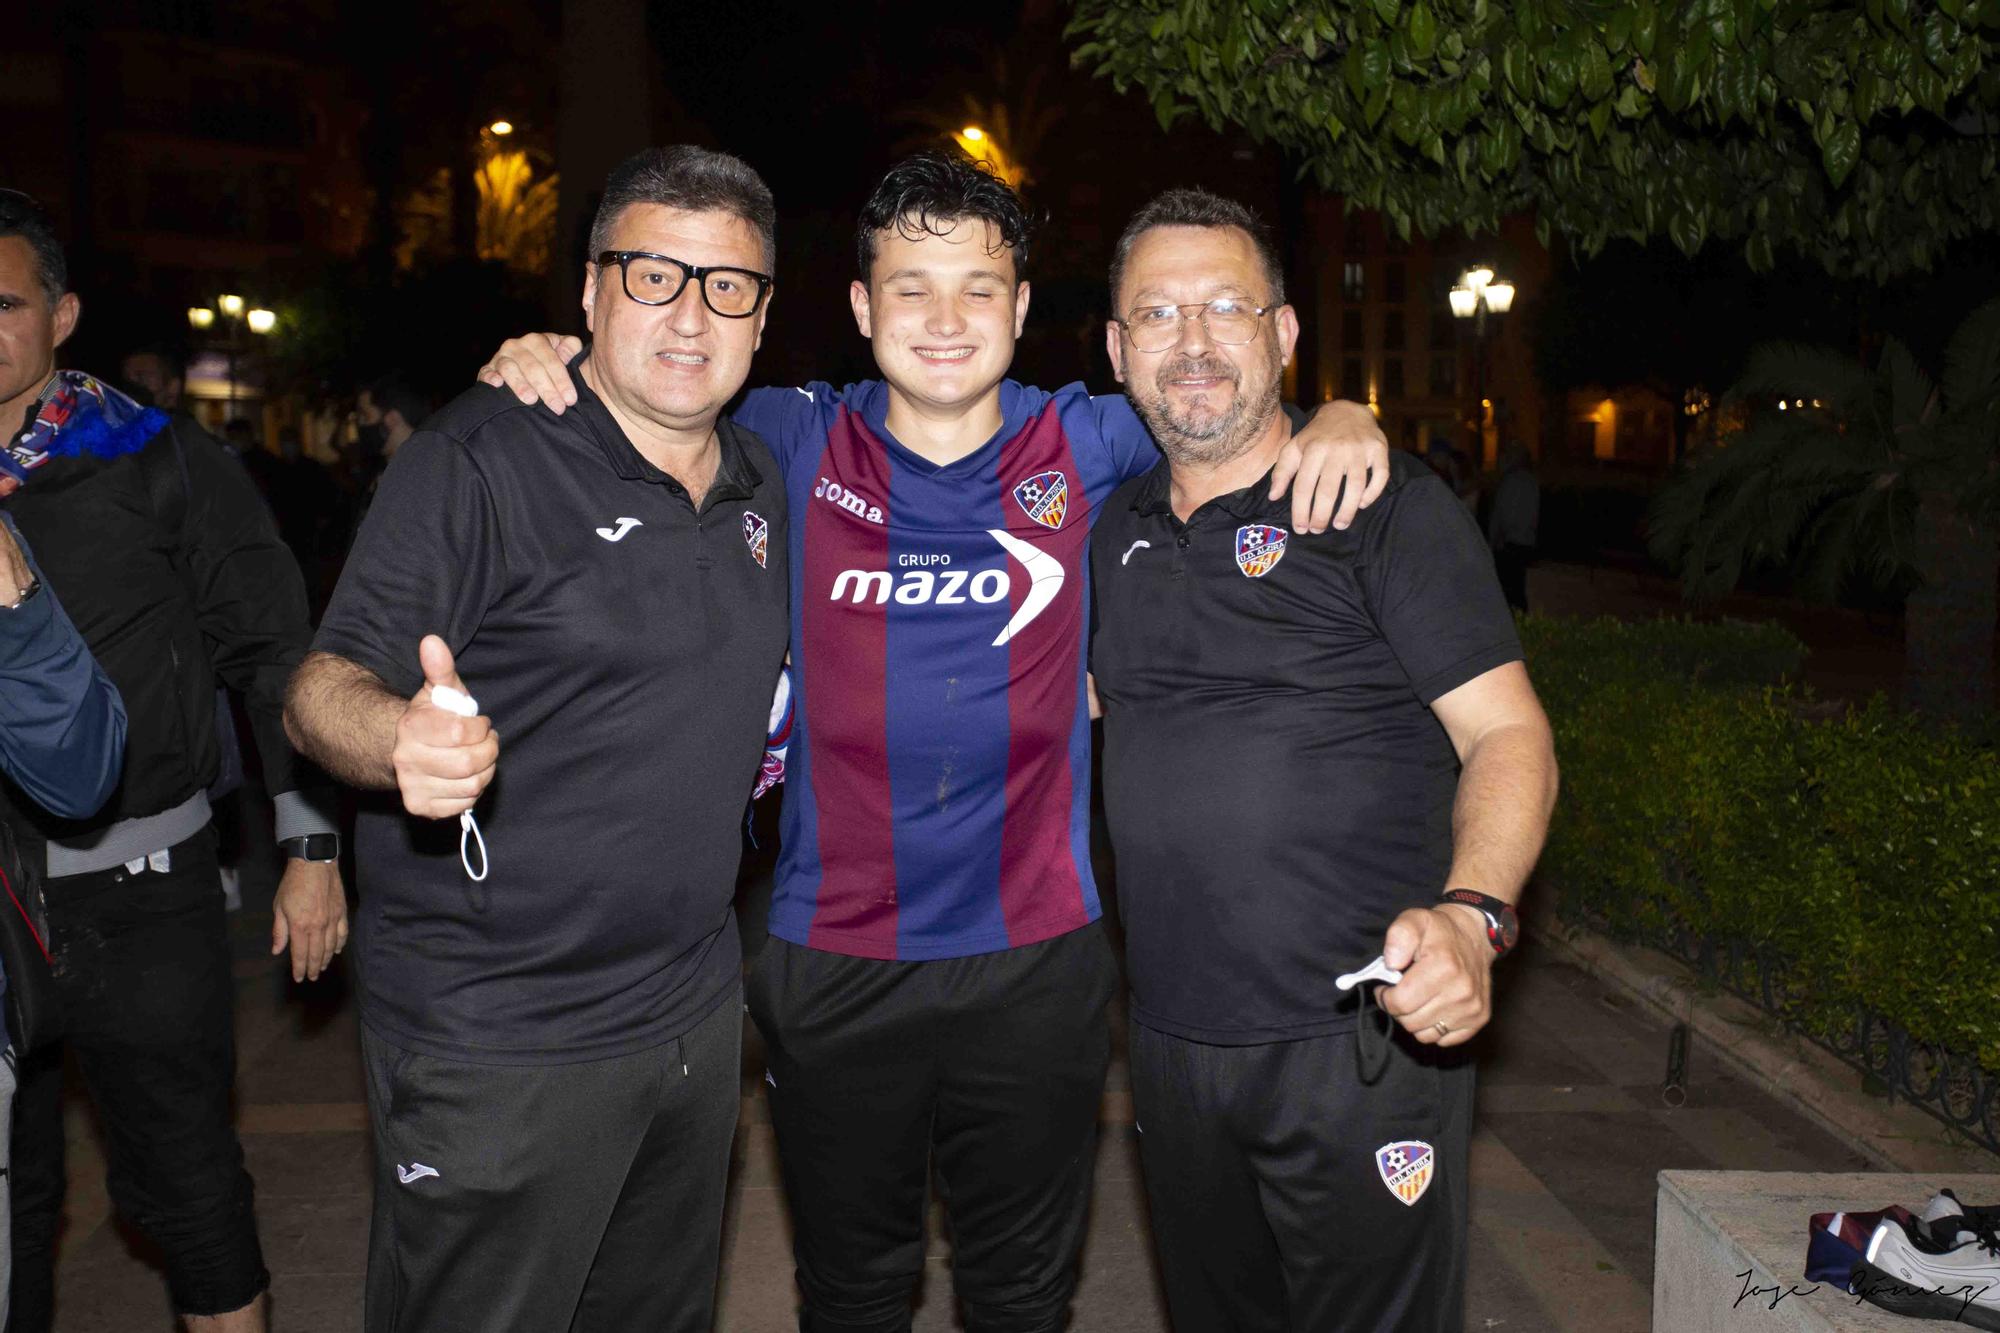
1775, 1292
1863, 1285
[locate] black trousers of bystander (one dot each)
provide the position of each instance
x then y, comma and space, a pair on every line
142, 962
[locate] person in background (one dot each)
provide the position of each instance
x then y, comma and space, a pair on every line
386, 413
1513, 522
166, 560
155, 375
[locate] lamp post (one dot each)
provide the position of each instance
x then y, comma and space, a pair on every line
236, 316
1479, 291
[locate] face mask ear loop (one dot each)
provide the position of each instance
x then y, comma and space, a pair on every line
468, 834
1369, 1063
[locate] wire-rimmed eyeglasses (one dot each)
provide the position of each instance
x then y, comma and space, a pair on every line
1228, 319
650, 279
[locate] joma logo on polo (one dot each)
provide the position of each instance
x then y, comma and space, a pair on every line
856, 505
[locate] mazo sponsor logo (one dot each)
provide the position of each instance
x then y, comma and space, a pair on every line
958, 587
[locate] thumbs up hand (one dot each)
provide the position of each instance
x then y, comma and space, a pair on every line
443, 761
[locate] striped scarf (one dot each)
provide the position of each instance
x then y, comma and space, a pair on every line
76, 414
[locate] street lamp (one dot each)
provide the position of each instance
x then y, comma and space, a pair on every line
1477, 292
500, 129
235, 318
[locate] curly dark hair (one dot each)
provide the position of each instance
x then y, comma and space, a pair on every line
930, 193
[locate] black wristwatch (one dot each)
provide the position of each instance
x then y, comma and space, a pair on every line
1503, 927
312, 847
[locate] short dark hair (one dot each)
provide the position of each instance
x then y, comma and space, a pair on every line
929, 193
393, 393
21, 215
694, 180
1198, 208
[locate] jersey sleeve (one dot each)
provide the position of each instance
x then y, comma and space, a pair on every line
788, 420
1429, 579
428, 560
1109, 439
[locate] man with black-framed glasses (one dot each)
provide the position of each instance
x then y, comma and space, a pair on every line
551, 1029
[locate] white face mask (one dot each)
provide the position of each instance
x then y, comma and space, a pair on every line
456, 701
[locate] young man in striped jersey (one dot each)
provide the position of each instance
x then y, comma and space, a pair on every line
936, 984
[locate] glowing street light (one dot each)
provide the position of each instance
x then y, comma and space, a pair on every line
200, 317
1478, 291
261, 321
230, 304
500, 129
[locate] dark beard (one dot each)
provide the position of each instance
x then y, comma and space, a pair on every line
1211, 439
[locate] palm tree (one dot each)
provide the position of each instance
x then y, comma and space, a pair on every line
1887, 475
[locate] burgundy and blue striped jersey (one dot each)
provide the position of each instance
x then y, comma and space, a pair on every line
938, 788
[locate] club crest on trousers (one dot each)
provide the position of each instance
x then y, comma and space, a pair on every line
1406, 1168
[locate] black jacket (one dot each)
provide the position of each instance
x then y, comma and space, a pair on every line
169, 564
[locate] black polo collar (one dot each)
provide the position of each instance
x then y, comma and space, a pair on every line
1155, 495
736, 476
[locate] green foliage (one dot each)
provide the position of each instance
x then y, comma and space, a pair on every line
1699, 792
1863, 135
1834, 487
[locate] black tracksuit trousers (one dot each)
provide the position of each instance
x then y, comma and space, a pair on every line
1288, 1196
991, 1067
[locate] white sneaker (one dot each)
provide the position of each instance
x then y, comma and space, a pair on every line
1908, 1273
1947, 1220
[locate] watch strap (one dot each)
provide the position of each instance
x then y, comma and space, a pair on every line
1503, 925
312, 847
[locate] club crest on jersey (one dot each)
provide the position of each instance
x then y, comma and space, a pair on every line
1259, 549
757, 535
1044, 497
1406, 1168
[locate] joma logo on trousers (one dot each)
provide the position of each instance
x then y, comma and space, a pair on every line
956, 587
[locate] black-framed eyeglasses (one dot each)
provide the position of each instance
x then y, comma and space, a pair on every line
650, 279
1228, 319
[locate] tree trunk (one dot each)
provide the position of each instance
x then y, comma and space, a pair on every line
1949, 622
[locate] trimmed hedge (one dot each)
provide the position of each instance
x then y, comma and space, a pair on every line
1699, 791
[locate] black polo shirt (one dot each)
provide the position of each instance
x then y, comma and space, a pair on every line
1277, 787
626, 648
